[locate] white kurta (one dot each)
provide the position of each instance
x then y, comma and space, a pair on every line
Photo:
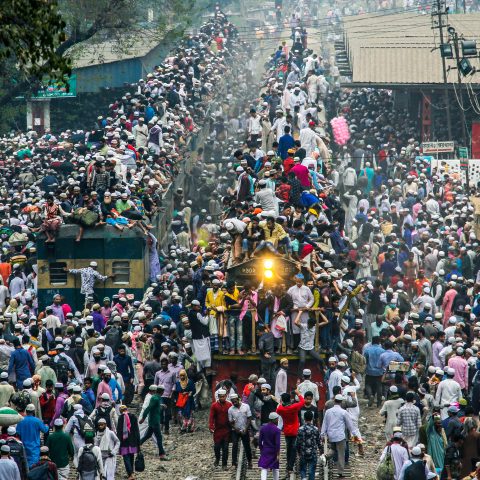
73, 426
308, 139
333, 381
390, 409
354, 412
109, 445
302, 298
280, 383
448, 392
399, 456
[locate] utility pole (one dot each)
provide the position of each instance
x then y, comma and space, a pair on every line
460, 95
440, 13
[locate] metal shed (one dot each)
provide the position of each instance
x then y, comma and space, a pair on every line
105, 63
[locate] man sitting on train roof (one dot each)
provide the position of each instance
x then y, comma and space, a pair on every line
252, 236
275, 236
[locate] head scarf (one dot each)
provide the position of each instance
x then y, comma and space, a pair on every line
437, 443
126, 424
113, 367
184, 382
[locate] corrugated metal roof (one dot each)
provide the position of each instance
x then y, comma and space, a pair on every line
397, 49
99, 50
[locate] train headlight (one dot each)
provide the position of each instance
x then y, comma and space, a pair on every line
268, 264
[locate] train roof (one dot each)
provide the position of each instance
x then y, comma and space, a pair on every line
105, 241
105, 231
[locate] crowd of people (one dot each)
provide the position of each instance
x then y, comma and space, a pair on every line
384, 305
79, 370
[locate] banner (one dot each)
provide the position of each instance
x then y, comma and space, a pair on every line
58, 89
438, 147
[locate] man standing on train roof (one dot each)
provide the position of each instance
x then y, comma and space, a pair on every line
200, 335
88, 275
302, 299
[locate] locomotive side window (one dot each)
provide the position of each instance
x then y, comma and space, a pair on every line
121, 271
58, 276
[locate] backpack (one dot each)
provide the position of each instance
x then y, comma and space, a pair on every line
17, 452
87, 406
21, 400
86, 425
61, 368
113, 338
18, 238
85, 217
386, 468
105, 414
358, 362
67, 410
403, 304
40, 472
87, 463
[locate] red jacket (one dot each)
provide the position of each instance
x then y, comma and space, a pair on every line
289, 414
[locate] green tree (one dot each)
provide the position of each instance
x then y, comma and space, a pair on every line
31, 32
35, 34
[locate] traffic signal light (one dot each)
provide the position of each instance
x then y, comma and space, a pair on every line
268, 272
446, 50
465, 66
469, 48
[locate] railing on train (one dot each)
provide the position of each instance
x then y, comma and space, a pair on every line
221, 323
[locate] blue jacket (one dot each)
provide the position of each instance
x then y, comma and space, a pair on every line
372, 356
21, 364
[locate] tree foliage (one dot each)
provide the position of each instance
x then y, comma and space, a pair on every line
30, 33
35, 34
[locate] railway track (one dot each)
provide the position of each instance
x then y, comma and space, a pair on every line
326, 469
